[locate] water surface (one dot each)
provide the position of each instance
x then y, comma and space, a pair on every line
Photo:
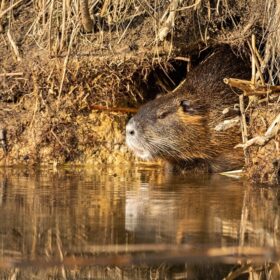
135, 224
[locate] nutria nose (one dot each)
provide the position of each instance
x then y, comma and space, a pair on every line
130, 128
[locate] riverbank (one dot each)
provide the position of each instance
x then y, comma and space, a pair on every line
54, 73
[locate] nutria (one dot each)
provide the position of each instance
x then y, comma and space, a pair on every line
180, 126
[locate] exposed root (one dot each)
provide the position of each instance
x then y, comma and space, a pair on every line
261, 140
227, 124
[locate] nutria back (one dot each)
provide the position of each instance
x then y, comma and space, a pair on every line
180, 126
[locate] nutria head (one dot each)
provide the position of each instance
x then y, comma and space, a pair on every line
170, 127
180, 126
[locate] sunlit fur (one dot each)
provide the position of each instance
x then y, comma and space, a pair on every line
165, 129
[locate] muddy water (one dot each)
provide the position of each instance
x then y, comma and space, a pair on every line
135, 224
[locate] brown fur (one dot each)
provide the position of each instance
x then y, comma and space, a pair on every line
185, 136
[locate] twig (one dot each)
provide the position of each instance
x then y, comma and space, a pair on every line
10, 8
2, 6
11, 74
250, 89
186, 249
253, 79
50, 26
257, 61
179, 86
14, 46
66, 62
245, 268
128, 26
217, 7
229, 112
114, 109
104, 9
238, 83
160, 253
197, 2
227, 124
35, 93
261, 140
63, 25
243, 119
169, 23
187, 59
243, 125
59, 142
44, 12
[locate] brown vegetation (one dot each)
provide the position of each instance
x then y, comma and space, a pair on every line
60, 57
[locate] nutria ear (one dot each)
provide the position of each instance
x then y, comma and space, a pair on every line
186, 105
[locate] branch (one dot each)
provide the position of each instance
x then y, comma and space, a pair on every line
227, 124
11, 74
114, 109
14, 46
250, 89
261, 140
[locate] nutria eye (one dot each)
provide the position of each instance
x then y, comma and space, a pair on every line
163, 115
186, 105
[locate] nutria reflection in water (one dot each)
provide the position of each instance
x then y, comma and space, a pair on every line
180, 126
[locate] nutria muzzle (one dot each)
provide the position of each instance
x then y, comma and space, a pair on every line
135, 142
131, 128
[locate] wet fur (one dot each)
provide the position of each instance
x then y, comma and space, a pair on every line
186, 136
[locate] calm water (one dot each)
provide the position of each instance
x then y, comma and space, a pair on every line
135, 224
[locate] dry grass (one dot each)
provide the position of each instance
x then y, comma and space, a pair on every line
126, 28
122, 30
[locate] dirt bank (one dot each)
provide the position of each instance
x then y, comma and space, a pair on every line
55, 64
